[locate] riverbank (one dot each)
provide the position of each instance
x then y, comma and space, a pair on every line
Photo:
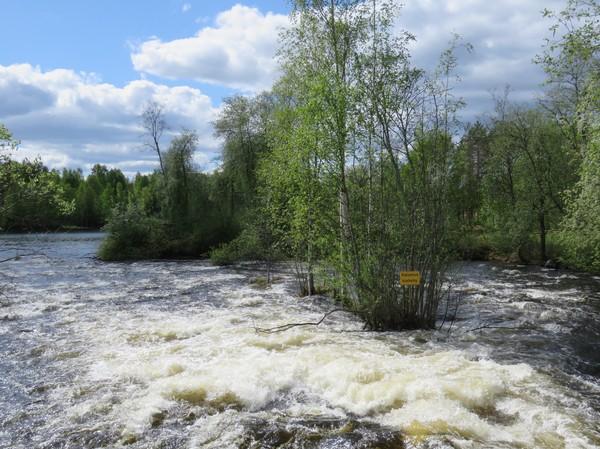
58, 230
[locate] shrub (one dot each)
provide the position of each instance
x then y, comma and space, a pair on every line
245, 247
133, 235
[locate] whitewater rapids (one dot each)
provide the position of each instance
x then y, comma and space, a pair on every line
165, 355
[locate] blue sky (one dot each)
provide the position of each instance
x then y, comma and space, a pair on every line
75, 75
96, 36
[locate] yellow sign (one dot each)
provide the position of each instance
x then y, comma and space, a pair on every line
410, 278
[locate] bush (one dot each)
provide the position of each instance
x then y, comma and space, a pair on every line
133, 235
580, 250
245, 247
471, 245
580, 228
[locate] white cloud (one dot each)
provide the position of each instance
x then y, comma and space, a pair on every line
186, 7
506, 35
71, 119
237, 52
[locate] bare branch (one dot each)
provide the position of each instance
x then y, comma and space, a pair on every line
154, 123
19, 256
490, 326
285, 327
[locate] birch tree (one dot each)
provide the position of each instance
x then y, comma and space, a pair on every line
360, 160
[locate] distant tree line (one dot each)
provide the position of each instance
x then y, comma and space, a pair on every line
178, 212
356, 166
34, 198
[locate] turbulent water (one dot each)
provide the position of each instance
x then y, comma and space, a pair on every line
165, 355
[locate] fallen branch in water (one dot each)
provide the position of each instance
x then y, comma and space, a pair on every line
285, 327
19, 256
489, 326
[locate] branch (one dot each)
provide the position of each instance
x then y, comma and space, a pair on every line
17, 257
489, 326
285, 327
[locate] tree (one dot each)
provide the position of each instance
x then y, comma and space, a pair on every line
243, 125
178, 170
572, 61
319, 84
32, 197
529, 168
580, 231
6, 139
154, 124
87, 206
469, 170
358, 176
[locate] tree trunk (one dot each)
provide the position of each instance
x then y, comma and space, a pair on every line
310, 282
542, 219
157, 149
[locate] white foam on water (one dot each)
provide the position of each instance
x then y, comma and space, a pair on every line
222, 431
151, 359
570, 294
213, 359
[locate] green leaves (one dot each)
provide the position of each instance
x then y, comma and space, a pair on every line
4, 133
580, 231
31, 196
572, 61
357, 180
7, 142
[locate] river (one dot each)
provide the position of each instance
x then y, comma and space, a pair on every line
165, 355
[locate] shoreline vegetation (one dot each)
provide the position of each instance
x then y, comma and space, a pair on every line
58, 230
483, 253
356, 166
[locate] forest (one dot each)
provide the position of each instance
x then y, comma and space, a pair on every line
356, 165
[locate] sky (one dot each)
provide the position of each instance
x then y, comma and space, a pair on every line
75, 75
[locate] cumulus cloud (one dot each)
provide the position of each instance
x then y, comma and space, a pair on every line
237, 52
186, 7
506, 36
22, 98
72, 119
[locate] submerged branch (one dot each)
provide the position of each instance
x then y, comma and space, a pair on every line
285, 327
490, 326
19, 256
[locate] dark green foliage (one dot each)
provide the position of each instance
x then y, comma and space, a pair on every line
243, 125
134, 235
468, 170
184, 212
31, 197
512, 203
580, 231
246, 246
538, 197
178, 180
528, 171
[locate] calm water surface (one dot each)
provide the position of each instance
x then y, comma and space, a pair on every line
164, 355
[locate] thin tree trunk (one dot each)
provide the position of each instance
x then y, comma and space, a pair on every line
542, 219
157, 148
